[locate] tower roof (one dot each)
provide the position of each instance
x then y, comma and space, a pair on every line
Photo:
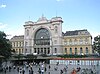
76, 32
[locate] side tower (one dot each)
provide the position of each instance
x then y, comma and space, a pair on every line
28, 28
56, 29
43, 36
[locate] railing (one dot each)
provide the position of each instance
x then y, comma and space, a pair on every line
77, 61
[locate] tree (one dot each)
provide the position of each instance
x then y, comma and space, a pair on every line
5, 46
96, 44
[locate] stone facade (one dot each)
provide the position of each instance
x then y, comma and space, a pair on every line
17, 44
46, 37
50, 28
77, 42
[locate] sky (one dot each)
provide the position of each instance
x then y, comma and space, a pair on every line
76, 14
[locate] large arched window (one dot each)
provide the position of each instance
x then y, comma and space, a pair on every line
42, 37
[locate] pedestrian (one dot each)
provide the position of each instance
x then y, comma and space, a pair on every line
20, 71
18, 68
23, 71
45, 69
42, 71
74, 71
49, 67
48, 72
31, 71
61, 71
14, 67
5, 70
9, 68
39, 71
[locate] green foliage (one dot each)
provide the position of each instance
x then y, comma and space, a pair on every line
96, 44
5, 46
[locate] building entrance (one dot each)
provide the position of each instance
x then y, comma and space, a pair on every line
42, 41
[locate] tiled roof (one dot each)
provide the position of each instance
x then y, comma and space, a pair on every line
76, 32
16, 37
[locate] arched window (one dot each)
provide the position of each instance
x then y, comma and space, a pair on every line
26, 43
19, 51
27, 32
75, 50
87, 50
34, 50
55, 41
81, 41
66, 50
81, 50
48, 50
42, 37
55, 50
20, 44
65, 42
22, 51
70, 41
25, 50
16, 50
44, 50
86, 41
14, 44
38, 52
75, 41
56, 29
70, 50
41, 50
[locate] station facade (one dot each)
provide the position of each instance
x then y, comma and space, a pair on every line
46, 37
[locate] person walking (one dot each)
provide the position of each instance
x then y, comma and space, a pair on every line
5, 70
20, 71
23, 71
49, 67
31, 71
39, 71
45, 69
42, 71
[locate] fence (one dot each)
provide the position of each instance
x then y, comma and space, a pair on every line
76, 61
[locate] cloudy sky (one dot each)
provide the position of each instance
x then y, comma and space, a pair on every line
76, 14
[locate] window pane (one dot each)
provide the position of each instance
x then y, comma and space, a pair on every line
75, 50
55, 50
86, 50
81, 50
42, 37
70, 50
